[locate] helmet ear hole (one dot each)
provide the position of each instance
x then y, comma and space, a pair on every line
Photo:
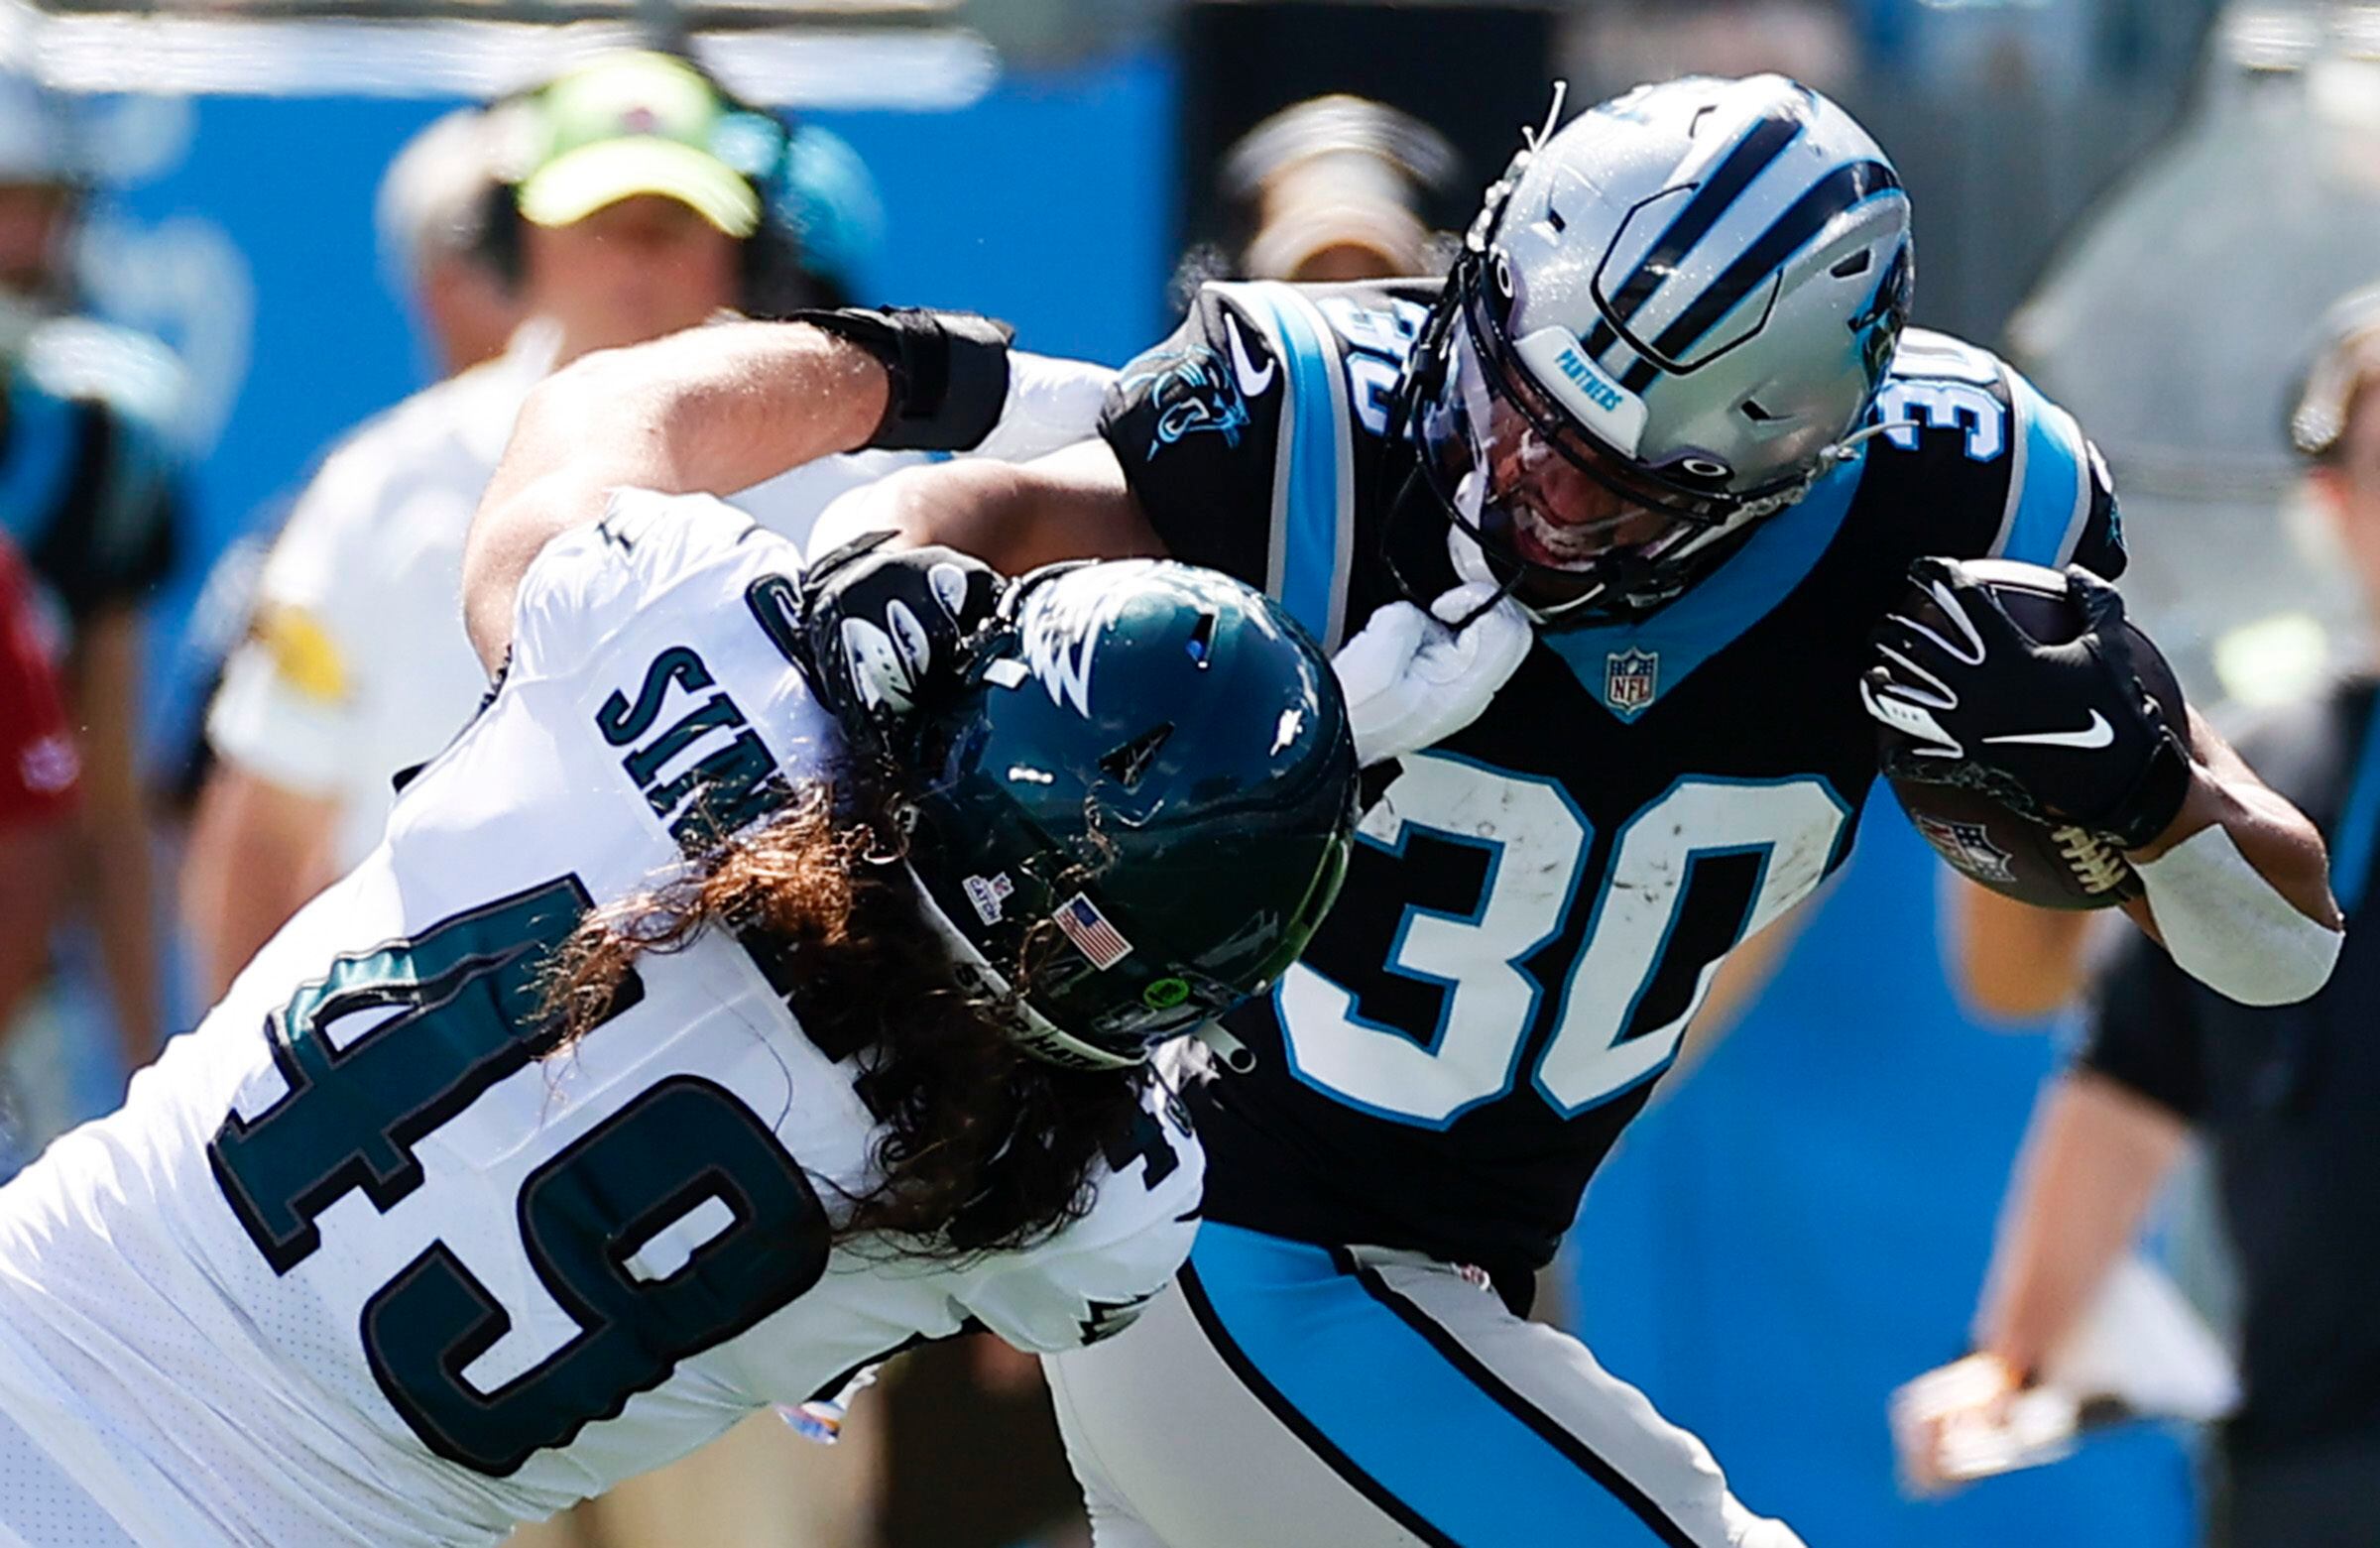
1128, 763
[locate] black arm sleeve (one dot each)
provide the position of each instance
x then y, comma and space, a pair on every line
1198, 452
2143, 1028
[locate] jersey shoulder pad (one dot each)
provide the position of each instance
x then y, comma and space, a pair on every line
1093, 1278
1205, 403
587, 583
1242, 436
1972, 461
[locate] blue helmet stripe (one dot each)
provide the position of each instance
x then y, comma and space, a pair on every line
1760, 145
1841, 190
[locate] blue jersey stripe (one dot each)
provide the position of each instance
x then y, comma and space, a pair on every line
2048, 478
39, 460
1313, 497
1392, 1406
2358, 823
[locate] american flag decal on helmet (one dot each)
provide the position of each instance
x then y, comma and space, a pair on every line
1079, 919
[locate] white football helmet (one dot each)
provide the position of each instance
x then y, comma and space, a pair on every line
1668, 320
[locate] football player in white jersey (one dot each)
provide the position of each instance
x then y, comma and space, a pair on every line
762, 982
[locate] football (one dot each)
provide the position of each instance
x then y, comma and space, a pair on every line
2049, 866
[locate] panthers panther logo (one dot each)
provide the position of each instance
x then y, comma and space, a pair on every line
1195, 394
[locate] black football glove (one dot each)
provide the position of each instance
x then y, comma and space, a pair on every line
888, 630
2063, 733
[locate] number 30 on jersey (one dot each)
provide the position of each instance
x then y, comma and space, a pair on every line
1537, 845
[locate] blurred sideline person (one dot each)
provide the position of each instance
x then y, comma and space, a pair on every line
643, 202
432, 212
666, 1059
2282, 1097
435, 199
93, 475
1335, 187
1661, 480
625, 224
39, 773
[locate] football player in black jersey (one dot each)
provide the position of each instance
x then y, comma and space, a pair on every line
1602, 530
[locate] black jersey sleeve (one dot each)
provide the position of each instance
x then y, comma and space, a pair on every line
1258, 439
2142, 1027
1983, 465
1196, 423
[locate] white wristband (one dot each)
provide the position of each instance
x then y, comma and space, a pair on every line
2225, 926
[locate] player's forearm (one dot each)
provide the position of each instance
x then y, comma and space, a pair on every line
2272, 836
713, 410
2091, 1164
1072, 504
2238, 887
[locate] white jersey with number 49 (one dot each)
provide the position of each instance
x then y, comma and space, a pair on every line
354, 1265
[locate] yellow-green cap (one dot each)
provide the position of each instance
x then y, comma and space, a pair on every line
645, 123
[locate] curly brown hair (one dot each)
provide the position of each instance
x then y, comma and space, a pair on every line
980, 1147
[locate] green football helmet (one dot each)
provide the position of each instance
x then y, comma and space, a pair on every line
1135, 810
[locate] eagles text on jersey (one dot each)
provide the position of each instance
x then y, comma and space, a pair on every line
1538, 904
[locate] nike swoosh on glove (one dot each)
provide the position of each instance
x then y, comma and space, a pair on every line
2060, 732
887, 628
1411, 681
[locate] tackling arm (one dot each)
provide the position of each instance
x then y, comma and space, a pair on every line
714, 409
1072, 504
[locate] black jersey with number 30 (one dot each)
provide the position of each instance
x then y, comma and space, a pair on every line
1537, 905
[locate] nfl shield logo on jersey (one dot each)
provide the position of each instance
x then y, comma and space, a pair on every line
1630, 680
1968, 847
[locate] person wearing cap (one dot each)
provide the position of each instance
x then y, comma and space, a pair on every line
2280, 1097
